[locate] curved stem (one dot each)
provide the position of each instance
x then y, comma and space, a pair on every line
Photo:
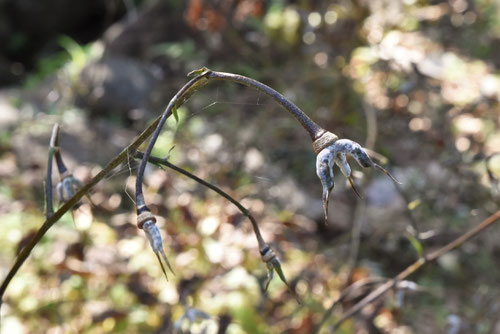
273, 263
313, 129
182, 95
219, 191
49, 209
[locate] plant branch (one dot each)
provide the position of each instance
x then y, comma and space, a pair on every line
26, 251
194, 84
54, 142
381, 290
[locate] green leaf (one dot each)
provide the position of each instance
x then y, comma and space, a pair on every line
176, 116
414, 204
417, 245
197, 72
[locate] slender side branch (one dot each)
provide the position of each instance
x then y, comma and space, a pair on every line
26, 251
381, 290
54, 142
243, 210
182, 95
345, 293
319, 137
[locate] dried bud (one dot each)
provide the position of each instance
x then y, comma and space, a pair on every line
68, 186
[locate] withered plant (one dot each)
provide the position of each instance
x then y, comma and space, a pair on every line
330, 151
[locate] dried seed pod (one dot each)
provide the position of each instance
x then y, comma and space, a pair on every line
341, 161
68, 186
147, 222
337, 154
324, 171
273, 264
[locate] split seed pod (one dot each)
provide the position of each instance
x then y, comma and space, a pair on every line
147, 222
67, 187
336, 153
273, 264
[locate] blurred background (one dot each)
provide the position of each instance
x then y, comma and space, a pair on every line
416, 81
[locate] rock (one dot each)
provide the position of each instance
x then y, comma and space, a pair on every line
117, 85
157, 23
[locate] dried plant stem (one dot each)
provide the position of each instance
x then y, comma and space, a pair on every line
26, 251
243, 210
313, 129
381, 290
267, 254
49, 209
346, 292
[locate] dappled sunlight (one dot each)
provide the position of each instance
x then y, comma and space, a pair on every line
414, 85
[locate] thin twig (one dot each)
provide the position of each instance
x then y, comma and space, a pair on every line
380, 291
54, 142
267, 254
313, 129
351, 288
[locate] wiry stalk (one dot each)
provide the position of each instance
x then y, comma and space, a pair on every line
201, 78
268, 256
243, 210
49, 209
182, 95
